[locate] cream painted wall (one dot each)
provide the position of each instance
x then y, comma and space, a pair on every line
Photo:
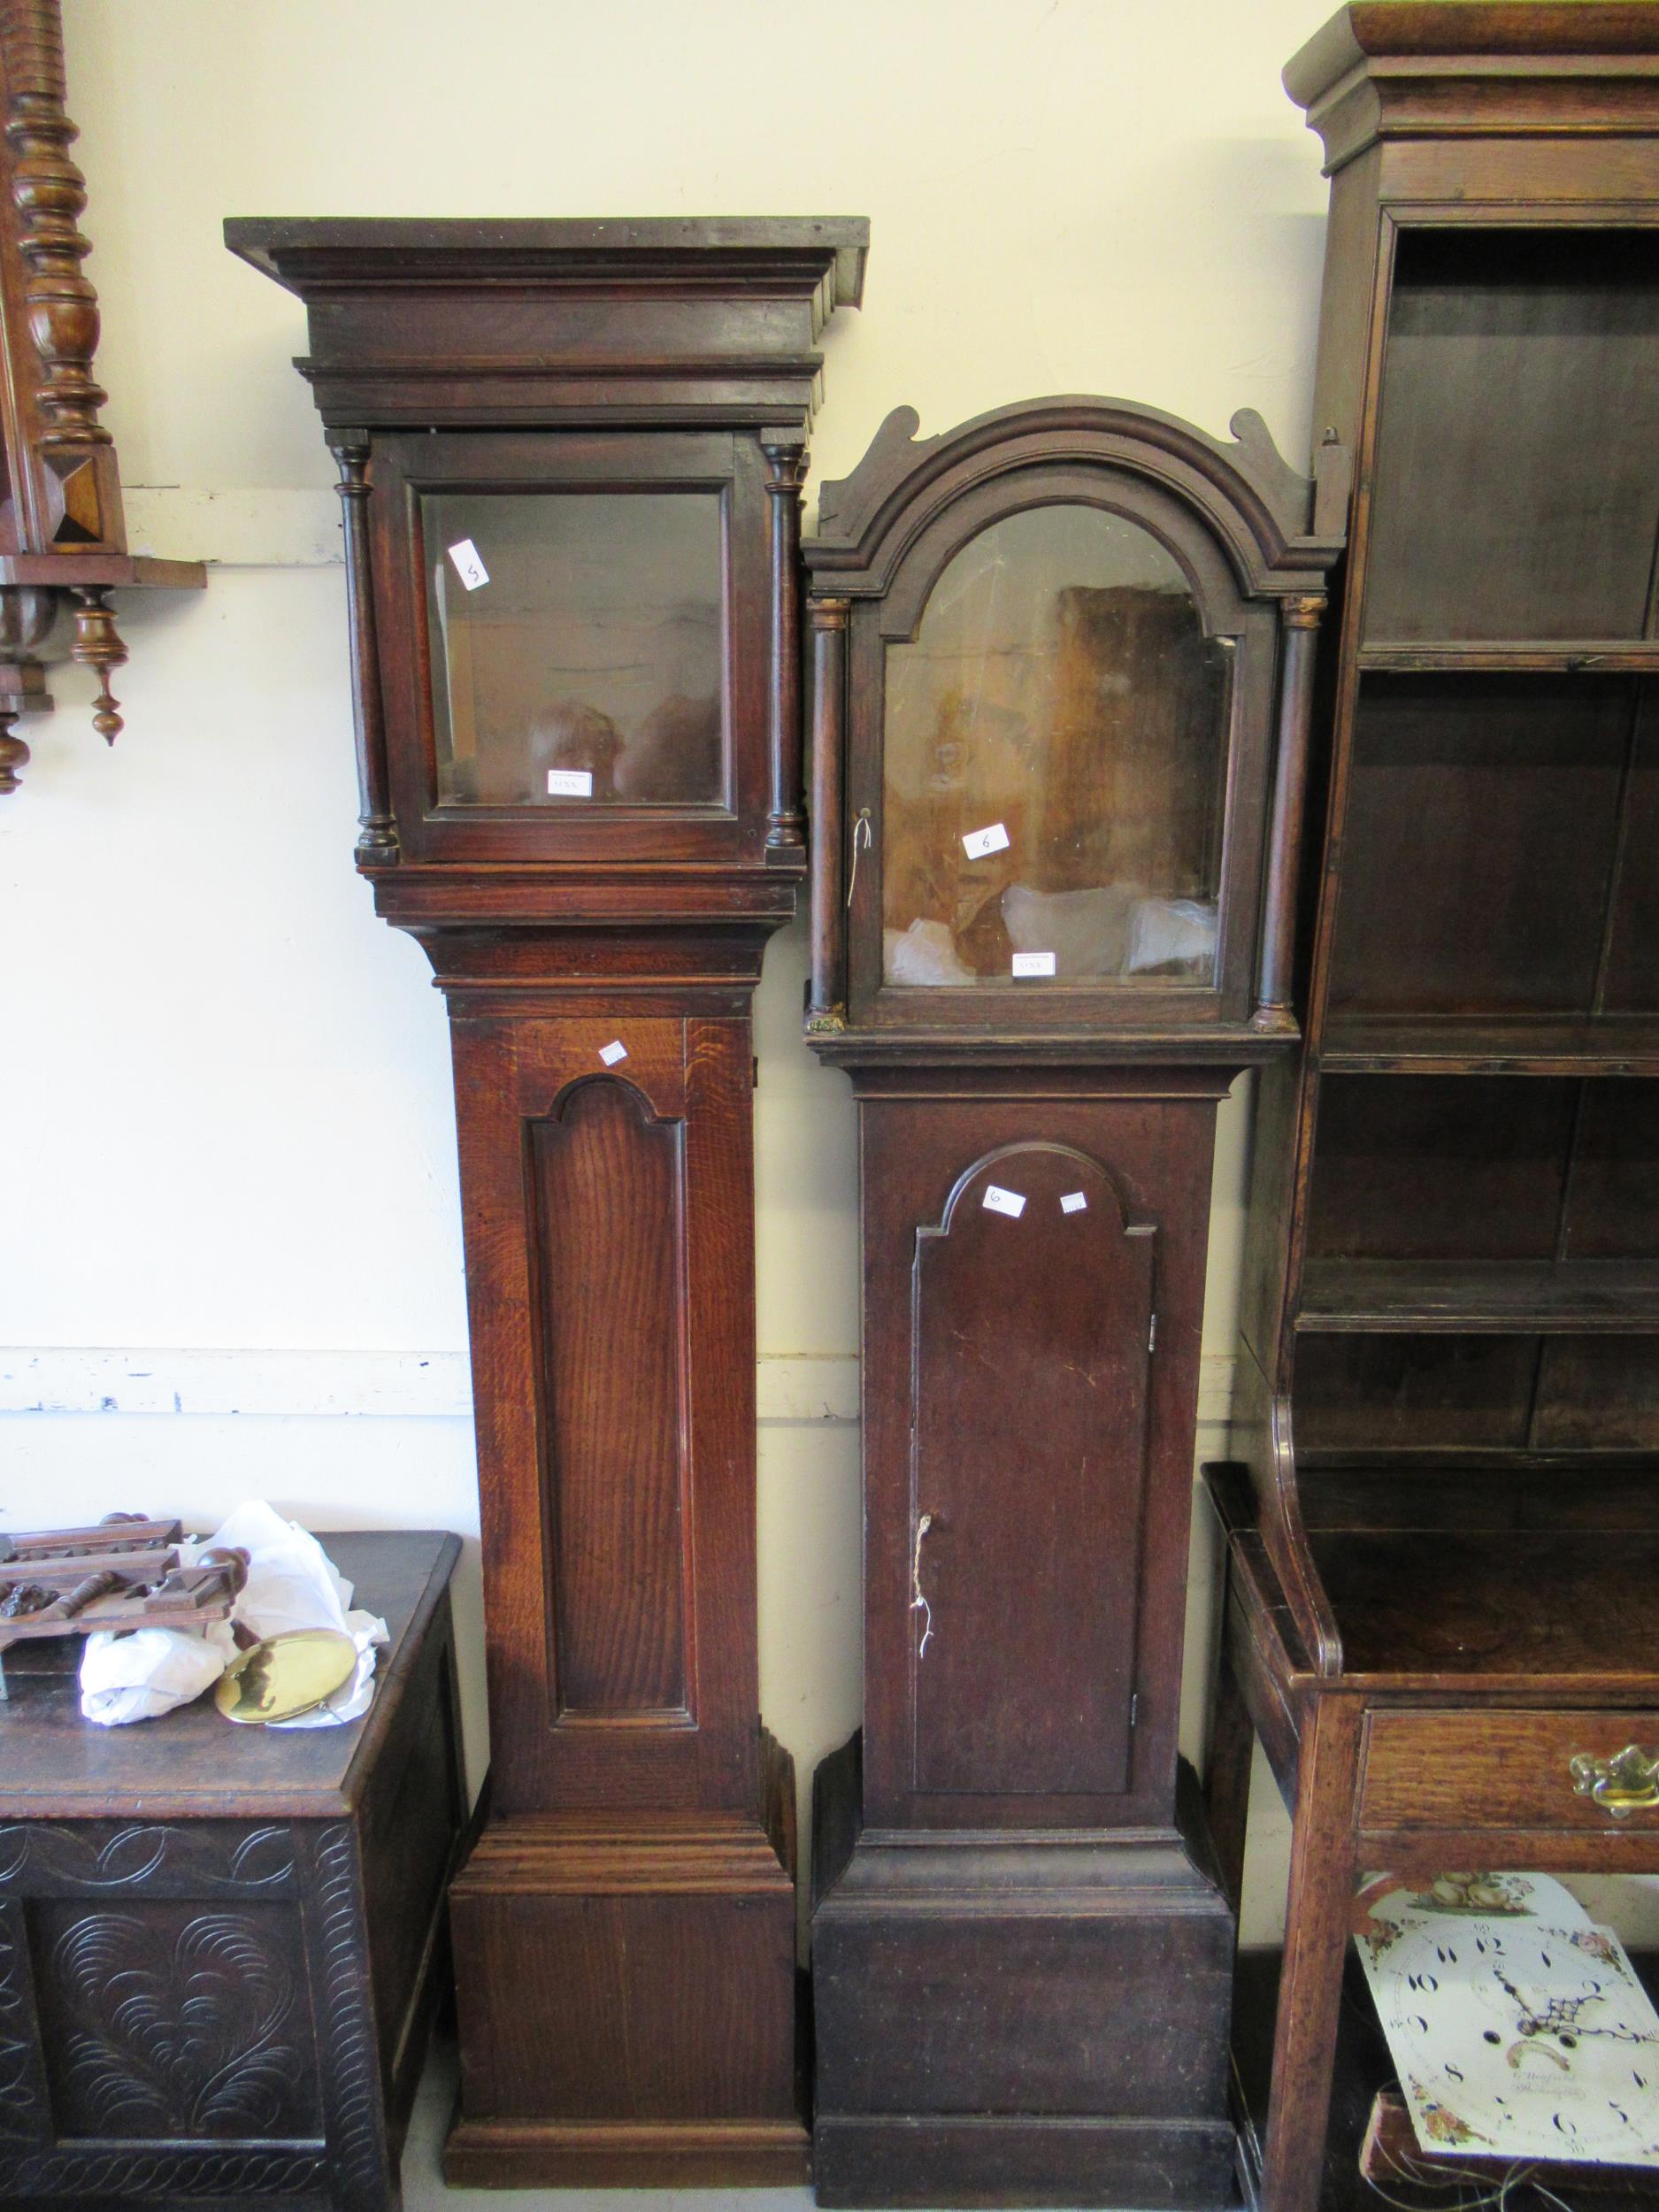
225, 1104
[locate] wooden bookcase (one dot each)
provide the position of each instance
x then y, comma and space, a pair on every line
1448, 1399
1454, 1294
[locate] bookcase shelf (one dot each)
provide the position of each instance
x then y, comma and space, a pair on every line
1461, 1044
1571, 656
1607, 1297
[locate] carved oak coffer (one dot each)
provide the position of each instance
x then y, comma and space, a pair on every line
1063, 662
218, 1945
570, 457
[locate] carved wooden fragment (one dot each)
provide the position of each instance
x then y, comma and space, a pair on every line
63, 538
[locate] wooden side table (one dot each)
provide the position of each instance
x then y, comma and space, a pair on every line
1407, 1773
217, 1945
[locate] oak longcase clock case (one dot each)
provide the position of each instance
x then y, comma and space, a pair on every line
1063, 664
570, 456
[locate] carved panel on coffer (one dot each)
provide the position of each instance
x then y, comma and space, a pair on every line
1032, 1323
168, 2022
607, 1183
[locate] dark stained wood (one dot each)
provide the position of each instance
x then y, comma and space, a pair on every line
785, 473
1565, 326
1316, 1910
1449, 1401
1123, 1533
1481, 1296
277, 1898
1018, 1925
378, 838
1499, 799
1064, 1303
1438, 1169
1114, 2100
826, 999
1392, 1391
1275, 974
625, 1925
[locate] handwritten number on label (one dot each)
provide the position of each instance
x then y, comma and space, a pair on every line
468, 564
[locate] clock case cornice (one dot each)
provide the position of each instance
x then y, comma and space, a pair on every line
564, 322
1380, 71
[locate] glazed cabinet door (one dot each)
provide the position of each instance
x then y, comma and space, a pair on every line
1031, 1324
577, 633
609, 1245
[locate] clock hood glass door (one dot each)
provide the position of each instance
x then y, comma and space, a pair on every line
1055, 764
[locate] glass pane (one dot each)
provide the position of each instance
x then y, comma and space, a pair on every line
576, 642
1055, 751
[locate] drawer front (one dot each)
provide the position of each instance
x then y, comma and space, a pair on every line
1509, 1770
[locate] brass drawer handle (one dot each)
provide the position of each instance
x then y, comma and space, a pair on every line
1619, 1785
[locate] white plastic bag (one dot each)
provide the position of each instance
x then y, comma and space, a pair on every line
144, 1673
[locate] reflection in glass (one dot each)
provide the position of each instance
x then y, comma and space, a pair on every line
1060, 692
593, 650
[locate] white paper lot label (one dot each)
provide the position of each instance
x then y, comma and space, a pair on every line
977, 843
613, 1052
1074, 1203
570, 783
998, 1201
468, 566
1033, 964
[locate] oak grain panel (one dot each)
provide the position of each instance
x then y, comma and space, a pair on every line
607, 1181
1493, 1769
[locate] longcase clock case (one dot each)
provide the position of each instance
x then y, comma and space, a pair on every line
1063, 662
570, 455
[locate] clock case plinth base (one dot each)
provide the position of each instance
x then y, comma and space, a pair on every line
685, 1921
1015, 2018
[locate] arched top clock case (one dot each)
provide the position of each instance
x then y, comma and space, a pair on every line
1063, 677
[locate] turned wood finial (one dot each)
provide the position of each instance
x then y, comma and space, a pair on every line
99, 646
50, 193
14, 754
